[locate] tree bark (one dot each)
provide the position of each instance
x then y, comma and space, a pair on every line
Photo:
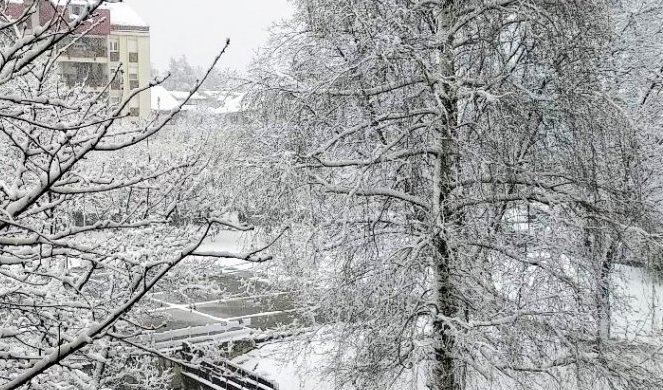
444, 373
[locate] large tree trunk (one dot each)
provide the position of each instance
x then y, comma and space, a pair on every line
444, 376
603, 266
444, 373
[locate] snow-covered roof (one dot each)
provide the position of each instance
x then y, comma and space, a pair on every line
217, 102
215, 94
181, 95
231, 103
123, 15
62, 3
162, 100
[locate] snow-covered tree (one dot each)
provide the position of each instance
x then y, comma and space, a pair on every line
94, 212
471, 171
183, 76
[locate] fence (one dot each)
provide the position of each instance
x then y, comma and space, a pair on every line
224, 375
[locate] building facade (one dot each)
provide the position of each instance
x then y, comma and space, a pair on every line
129, 55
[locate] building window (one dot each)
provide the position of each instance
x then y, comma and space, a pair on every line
133, 57
133, 77
114, 50
134, 111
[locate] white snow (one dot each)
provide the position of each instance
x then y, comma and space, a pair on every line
230, 103
297, 368
162, 100
294, 365
62, 3
643, 311
230, 241
218, 102
293, 371
123, 15
181, 95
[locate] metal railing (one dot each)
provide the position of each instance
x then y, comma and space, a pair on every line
221, 331
226, 375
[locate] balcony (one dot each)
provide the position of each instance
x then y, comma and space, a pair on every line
87, 48
115, 56
92, 75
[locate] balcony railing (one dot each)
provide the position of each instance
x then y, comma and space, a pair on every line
97, 81
86, 47
85, 74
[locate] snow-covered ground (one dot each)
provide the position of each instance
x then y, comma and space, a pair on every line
299, 366
641, 311
294, 367
290, 367
231, 241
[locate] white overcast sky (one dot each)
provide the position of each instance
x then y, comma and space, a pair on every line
198, 28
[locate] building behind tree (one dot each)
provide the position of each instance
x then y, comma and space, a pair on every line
114, 46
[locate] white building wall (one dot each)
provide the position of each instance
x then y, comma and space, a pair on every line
134, 42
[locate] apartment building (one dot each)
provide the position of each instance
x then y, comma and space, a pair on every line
115, 48
129, 51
